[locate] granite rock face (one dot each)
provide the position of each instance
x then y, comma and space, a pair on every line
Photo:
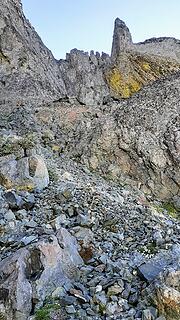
135, 65
83, 75
89, 177
122, 40
136, 139
29, 72
131, 141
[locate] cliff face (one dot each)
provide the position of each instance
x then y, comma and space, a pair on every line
89, 177
121, 145
133, 141
135, 65
29, 72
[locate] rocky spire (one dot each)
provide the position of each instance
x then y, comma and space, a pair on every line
121, 38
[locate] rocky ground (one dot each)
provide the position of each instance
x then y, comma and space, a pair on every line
128, 250
89, 177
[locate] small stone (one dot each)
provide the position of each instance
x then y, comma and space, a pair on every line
153, 311
103, 258
147, 315
83, 220
29, 201
100, 298
12, 225
78, 294
123, 304
70, 309
67, 176
114, 290
111, 308
30, 224
9, 216
21, 214
14, 201
70, 211
158, 238
98, 288
67, 300
60, 221
133, 298
132, 312
59, 292
90, 312
48, 226
27, 240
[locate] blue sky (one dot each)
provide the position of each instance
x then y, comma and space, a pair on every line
88, 24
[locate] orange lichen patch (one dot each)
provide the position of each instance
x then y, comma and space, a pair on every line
132, 71
7, 183
146, 66
56, 148
121, 85
26, 187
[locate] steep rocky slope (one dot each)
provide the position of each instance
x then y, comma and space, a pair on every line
132, 141
89, 177
28, 69
30, 73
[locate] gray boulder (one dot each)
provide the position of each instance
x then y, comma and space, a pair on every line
33, 273
27, 173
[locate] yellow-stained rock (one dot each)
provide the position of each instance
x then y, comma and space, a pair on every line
132, 71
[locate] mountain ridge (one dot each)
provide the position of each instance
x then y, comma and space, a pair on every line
107, 76
89, 177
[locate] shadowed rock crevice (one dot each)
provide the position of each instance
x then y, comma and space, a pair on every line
34, 266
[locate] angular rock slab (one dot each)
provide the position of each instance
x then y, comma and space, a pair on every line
163, 272
27, 173
150, 270
164, 293
33, 273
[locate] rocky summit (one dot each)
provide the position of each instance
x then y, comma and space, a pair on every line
89, 177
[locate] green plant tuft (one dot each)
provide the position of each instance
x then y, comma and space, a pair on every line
171, 211
44, 312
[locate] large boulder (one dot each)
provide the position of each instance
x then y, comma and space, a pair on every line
27, 173
163, 274
33, 273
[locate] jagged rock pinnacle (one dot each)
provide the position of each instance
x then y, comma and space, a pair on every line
121, 38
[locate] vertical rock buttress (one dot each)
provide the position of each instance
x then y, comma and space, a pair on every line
122, 39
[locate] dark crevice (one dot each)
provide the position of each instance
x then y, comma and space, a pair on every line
34, 267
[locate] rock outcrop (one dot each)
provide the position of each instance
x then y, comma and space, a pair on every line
20, 166
121, 146
33, 273
29, 72
132, 141
89, 177
122, 40
135, 65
